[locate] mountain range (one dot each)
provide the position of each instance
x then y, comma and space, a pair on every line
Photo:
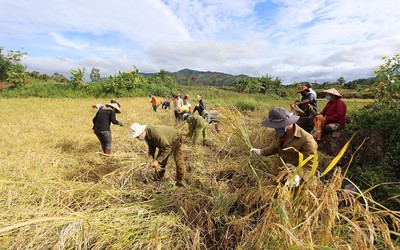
194, 77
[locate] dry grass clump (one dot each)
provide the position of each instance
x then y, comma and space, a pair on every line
58, 191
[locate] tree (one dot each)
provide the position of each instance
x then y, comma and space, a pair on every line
77, 78
341, 80
241, 84
95, 75
59, 78
387, 87
10, 67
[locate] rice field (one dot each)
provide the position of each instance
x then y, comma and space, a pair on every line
58, 191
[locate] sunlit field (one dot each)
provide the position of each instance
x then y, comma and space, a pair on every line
59, 191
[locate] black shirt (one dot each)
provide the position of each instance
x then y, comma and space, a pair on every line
103, 119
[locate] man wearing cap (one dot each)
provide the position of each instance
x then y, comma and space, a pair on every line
197, 128
101, 125
334, 113
289, 139
308, 107
168, 141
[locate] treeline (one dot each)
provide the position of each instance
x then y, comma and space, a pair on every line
13, 75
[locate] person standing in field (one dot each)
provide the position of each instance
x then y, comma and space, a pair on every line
201, 106
178, 103
333, 116
154, 103
167, 140
185, 99
101, 125
197, 129
290, 140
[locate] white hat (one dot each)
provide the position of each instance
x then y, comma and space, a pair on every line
136, 130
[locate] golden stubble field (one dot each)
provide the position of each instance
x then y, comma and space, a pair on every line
58, 190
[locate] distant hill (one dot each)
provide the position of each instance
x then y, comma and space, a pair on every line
194, 77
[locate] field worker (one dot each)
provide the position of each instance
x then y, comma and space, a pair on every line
334, 113
185, 99
101, 125
114, 101
97, 106
309, 86
308, 107
178, 102
201, 106
167, 140
197, 128
166, 105
212, 117
288, 134
154, 104
184, 112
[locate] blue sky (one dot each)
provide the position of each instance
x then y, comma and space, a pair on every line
296, 40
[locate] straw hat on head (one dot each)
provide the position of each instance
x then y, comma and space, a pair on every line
136, 130
332, 91
114, 106
279, 118
198, 97
302, 88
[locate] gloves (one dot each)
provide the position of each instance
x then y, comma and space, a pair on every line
293, 182
256, 150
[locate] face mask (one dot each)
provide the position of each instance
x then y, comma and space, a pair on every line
328, 97
280, 131
140, 137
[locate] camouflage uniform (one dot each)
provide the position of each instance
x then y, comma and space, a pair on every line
197, 126
168, 140
301, 141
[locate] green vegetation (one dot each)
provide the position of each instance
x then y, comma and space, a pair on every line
382, 116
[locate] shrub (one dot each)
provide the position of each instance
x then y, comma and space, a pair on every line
246, 105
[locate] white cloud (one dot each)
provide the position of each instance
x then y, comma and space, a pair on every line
296, 40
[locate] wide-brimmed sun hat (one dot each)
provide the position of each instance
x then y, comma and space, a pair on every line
332, 91
302, 88
115, 106
279, 118
136, 130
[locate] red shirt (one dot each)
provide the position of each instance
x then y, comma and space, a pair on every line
335, 111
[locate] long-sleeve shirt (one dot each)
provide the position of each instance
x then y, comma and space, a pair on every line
197, 127
177, 103
335, 111
202, 106
104, 117
162, 137
302, 141
153, 101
